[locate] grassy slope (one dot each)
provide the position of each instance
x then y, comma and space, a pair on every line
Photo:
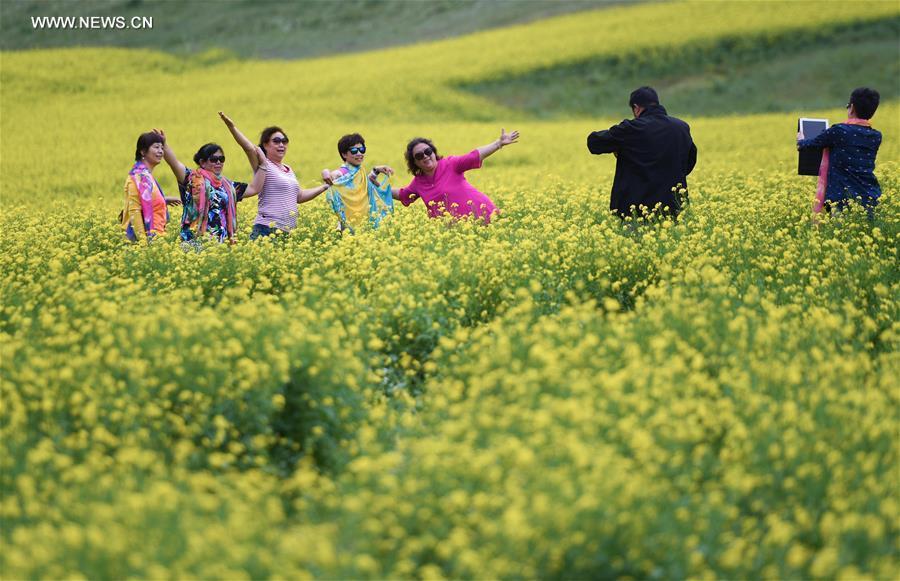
757, 74
270, 29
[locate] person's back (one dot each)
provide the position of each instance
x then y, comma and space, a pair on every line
853, 151
655, 154
848, 159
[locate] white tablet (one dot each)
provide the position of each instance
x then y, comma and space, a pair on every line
812, 127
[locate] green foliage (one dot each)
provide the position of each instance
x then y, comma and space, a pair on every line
782, 71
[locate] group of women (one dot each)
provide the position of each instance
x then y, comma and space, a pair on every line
361, 198
358, 198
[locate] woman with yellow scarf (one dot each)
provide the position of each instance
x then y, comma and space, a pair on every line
355, 195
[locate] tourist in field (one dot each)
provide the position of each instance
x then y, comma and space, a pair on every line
145, 213
655, 153
281, 192
209, 199
847, 171
441, 183
355, 195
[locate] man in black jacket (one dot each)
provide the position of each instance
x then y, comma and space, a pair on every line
655, 154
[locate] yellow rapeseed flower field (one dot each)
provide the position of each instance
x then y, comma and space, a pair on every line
557, 395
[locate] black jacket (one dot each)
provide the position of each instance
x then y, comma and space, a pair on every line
655, 153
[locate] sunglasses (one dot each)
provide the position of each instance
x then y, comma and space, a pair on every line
423, 154
357, 150
280, 140
216, 159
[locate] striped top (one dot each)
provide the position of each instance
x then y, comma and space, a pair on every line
278, 198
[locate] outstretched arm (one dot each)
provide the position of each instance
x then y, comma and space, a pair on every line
504, 140
307, 195
328, 175
822, 140
405, 195
241, 140
177, 167
609, 140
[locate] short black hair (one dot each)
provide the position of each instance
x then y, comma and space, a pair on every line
206, 151
643, 97
144, 141
348, 141
865, 102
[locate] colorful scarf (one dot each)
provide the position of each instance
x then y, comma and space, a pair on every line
355, 199
201, 187
822, 184
143, 179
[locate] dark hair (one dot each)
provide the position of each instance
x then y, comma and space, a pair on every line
144, 142
643, 97
411, 161
267, 134
348, 141
205, 152
865, 102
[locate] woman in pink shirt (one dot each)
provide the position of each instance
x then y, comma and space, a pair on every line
441, 183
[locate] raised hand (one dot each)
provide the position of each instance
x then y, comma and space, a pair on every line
505, 139
508, 138
249, 149
177, 167
228, 122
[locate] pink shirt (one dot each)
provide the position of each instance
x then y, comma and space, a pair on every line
278, 198
448, 190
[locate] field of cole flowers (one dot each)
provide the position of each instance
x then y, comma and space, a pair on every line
553, 396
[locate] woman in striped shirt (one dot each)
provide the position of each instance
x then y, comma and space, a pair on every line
278, 200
